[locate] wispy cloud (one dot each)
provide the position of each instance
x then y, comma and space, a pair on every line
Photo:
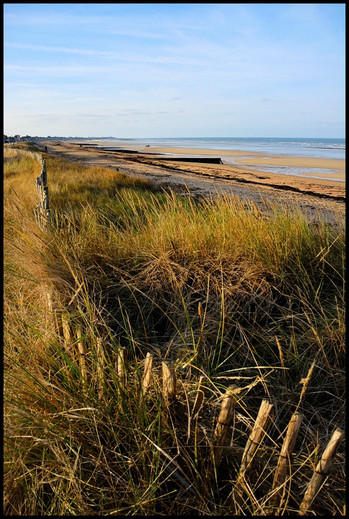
120, 56
47, 48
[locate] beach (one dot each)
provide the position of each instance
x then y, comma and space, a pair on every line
319, 186
334, 168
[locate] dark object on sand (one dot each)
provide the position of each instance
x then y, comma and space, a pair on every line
206, 160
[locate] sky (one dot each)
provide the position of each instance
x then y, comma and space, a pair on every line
174, 70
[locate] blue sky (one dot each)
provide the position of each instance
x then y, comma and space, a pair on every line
174, 70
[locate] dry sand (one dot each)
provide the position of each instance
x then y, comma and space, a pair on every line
246, 181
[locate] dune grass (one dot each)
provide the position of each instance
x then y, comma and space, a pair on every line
222, 289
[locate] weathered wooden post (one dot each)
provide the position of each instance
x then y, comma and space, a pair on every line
321, 471
253, 443
169, 382
100, 368
147, 375
56, 314
82, 353
122, 366
67, 334
284, 462
256, 437
223, 423
42, 210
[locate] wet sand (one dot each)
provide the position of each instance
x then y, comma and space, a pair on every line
246, 180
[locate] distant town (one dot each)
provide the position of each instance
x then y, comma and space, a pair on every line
19, 138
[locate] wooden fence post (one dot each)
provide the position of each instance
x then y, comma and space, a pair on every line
43, 212
100, 368
256, 437
222, 426
56, 314
169, 382
147, 375
284, 462
122, 366
253, 443
321, 471
82, 353
68, 339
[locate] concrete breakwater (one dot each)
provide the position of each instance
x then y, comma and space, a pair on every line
205, 160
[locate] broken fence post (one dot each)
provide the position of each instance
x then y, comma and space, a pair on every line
256, 437
56, 314
321, 471
253, 443
147, 375
284, 461
82, 353
100, 368
169, 382
223, 423
68, 339
122, 366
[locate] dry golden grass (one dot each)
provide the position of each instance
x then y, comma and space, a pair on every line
239, 296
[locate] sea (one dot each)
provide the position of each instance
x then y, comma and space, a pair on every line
298, 147
318, 148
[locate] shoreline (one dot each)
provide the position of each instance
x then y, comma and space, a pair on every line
333, 167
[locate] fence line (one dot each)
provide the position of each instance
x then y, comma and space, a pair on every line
42, 210
217, 446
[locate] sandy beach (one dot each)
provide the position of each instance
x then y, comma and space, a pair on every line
335, 167
243, 178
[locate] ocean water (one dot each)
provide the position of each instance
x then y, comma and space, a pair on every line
318, 148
